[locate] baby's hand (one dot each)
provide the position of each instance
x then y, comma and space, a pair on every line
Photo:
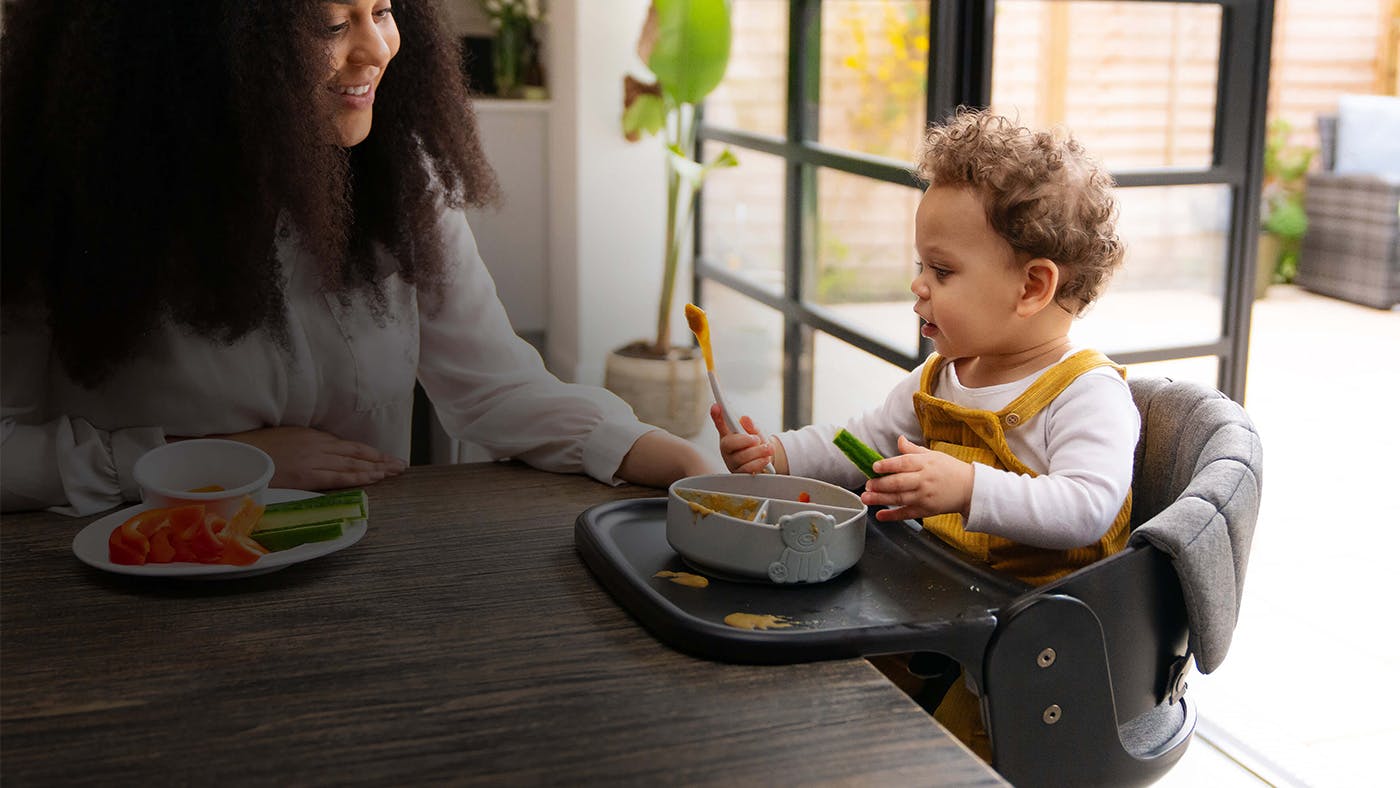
743, 452
919, 483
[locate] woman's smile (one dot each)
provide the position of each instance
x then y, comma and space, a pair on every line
355, 96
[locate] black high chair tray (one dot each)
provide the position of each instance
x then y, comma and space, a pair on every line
908, 592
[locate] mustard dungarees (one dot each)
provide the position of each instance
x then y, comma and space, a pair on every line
980, 436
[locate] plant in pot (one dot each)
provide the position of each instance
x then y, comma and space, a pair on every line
1284, 220
685, 44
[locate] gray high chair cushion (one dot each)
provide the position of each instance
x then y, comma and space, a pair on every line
1199, 465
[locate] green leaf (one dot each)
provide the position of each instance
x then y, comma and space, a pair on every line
647, 115
692, 47
1287, 219
726, 158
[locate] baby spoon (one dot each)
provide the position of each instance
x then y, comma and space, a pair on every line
700, 325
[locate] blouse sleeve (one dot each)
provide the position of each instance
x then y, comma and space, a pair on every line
491, 388
62, 463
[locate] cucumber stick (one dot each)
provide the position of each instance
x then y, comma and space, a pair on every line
347, 505
286, 538
863, 456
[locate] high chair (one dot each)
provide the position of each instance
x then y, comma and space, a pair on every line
1084, 679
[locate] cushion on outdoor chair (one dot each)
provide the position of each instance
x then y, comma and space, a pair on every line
1368, 136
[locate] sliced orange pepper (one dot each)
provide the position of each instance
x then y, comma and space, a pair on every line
247, 516
240, 550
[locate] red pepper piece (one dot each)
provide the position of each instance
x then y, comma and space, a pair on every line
119, 552
205, 541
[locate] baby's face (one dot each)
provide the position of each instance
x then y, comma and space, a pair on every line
968, 278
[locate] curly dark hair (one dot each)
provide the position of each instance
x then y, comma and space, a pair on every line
150, 150
1042, 192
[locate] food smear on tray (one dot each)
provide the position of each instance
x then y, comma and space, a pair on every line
803, 497
189, 534
209, 488
684, 578
757, 621
705, 504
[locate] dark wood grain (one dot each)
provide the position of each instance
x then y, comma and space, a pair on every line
461, 641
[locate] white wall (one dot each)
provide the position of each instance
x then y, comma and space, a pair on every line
607, 206
466, 17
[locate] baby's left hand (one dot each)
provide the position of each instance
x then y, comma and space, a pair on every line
919, 483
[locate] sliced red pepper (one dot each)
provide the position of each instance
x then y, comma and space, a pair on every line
184, 521
162, 552
127, 543
120, 552
205, 541
131, 534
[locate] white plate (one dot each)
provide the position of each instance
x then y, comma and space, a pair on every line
90, 546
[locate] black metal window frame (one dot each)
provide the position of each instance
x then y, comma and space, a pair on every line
959, 73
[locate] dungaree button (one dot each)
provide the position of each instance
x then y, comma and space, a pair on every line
1012, 419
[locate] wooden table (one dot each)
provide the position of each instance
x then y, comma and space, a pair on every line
462, 640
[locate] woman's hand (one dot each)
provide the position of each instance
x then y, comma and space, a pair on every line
747, 452
309, 459
919, 483
659, 458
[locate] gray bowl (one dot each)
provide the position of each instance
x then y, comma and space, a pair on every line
753, 527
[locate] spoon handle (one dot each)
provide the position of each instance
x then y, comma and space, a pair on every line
729, 421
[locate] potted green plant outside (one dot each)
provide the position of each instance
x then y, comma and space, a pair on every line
1284, 220
685, 44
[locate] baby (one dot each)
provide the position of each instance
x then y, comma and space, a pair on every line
1010, 443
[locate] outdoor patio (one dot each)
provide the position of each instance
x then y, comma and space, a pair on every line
1307, 694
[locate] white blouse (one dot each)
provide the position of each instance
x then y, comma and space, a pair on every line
340, 370
1081, 443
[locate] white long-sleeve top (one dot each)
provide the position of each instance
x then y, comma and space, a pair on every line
1081, 444
341, 370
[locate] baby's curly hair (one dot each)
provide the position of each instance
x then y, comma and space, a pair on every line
1042, 192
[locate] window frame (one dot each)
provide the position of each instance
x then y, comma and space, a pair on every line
963, 30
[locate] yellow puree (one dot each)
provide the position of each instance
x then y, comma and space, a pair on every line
705, 504
756, 621
684, 578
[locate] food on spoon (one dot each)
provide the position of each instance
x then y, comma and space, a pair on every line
857, 452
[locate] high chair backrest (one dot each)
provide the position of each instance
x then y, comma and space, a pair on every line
1085, 676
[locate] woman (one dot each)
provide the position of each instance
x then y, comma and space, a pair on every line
245, 219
